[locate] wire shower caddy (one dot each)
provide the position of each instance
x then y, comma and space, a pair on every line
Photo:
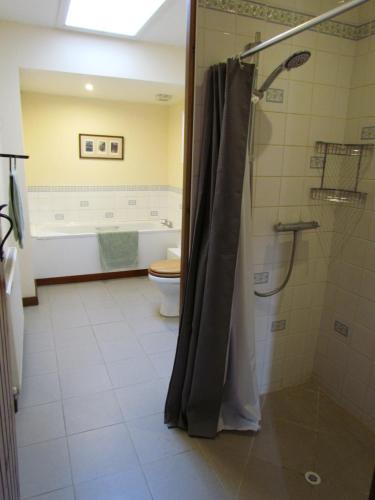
342, 165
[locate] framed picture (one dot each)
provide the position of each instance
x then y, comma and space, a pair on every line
101, 147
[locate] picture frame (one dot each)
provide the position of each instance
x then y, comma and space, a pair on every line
101, 147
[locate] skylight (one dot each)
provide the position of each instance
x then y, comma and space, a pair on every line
118, 17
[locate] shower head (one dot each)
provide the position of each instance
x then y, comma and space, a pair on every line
297, 59
294, 61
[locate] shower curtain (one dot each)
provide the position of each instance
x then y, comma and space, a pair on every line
213, 384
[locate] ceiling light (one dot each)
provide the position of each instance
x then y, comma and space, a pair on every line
89, 87
119, 17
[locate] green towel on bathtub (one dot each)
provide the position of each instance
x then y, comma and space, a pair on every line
118, 250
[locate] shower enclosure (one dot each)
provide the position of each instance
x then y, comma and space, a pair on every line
317, 334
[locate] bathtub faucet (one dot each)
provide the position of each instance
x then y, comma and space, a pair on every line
167, 223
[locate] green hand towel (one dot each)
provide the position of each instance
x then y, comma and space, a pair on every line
16, 210
118, 250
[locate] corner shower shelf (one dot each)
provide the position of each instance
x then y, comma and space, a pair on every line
338, 195
341, 172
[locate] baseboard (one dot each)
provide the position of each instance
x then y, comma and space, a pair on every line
79, 278
31, 301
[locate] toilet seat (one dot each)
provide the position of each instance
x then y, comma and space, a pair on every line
170, 268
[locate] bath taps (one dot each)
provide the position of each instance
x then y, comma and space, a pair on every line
167, 223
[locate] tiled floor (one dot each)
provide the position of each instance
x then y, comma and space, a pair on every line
90, 425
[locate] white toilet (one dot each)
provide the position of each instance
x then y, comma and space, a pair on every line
166, 276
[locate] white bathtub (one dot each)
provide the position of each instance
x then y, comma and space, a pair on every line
73, 249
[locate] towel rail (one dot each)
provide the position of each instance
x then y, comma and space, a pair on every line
21, 157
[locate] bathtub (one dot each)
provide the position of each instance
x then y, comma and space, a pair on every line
72, 249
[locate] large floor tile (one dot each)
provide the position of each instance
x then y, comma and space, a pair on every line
69, 316
126, 297
39, 389
228, 454
64, 494
95, 296
131, 371
265, 481
44, 467
142, 326
298, 405
129, 484
184, 477
39, 423
336, 420
286, 444
65, 337
133, 310
91, 412
336, 462
101, 315
122, 349
101, 452
89, 380
38, 342
142, 400
37, 319
154, 343
163, 362
113, 332
74, 357
39, 363
153, 440
63, 297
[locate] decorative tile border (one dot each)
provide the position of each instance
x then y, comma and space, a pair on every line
316, 162
275, 95
289, 18
368, 133
261, 278
87, 189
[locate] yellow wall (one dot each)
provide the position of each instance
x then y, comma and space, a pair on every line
175, 145
52, 124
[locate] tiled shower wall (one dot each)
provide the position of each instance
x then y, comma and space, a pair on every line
306, 105
346, 363
83, 205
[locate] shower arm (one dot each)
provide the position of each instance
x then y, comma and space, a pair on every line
301, 27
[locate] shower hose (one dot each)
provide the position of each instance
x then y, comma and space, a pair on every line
288, 274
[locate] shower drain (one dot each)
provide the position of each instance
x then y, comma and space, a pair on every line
313, 478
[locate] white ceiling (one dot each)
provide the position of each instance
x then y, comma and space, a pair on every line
118, 89
167, 26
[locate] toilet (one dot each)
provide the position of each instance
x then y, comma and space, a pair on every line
166, 276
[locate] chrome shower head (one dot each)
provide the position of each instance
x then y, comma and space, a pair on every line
294, 61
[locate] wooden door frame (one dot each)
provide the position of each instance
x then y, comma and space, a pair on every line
191, 6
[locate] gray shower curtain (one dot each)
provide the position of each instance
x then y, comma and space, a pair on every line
196, 389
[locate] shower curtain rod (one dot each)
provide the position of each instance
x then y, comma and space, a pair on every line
301, 27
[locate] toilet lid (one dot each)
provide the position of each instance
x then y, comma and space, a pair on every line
170, 268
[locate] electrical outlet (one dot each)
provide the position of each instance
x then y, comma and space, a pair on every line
261, 278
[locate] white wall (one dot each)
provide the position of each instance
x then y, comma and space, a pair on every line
23, 46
